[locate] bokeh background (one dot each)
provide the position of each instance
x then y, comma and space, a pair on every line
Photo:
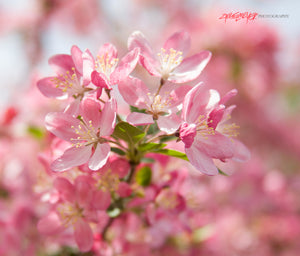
255, 210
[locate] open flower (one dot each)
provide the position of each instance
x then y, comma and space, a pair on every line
203, 142
86, 133
106, 70
170, 63
160, 107
74, 209
68, 80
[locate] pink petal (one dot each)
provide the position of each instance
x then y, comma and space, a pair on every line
138, 40
109, 51
215, 116
190, 68
90, 110
83, 192
62, 125
100, 80
65, 189
187, 134
100, 156
136, 118
108, 118
173, 94
124, 189
50, 224
228, 96
61, 63
125, 67
76, 54
73, 108
179, 41
216, 146
83, 235
147, 58
134, 92
241, 152
72, 157
198, 101
201, 161
169, 124
101, 200
48, 88
88, 65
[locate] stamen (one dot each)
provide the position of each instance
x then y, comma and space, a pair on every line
169, 61
104, 64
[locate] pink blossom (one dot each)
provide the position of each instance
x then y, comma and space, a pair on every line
74, 209
106, 70
85, 133
204, 132
69, 80
170, 64
160, 107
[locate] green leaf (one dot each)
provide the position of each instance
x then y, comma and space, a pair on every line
135, 109
143, 176
147, 147
113, 213
147, 160
171, 152
36, 132
118, 151
128, 133
222, 173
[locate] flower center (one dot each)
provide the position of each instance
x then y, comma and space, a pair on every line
169, 60
108, 181
69, 213
230, 130
69, 83
159, 105
87, 134
202, 127
106, 65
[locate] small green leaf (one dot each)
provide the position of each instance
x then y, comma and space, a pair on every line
128, 133
36, 132
151, 147
143, 176
118, 151
135, 109
222, 173
171, 152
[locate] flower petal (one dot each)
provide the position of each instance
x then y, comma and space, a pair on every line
134, 92
179, 41
216, 146
101, 200
100, 156
201, 161
76, 54
88, 64
100, 80
61, 63
50, 224
147, 58
65, 189
169, 124
241, 152
72, 157
108, 118
125, 67
62, 125
190, 68
90, 110
136, 118
109, 51
48, 88
83, 235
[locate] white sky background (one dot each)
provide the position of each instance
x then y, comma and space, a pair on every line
13, 64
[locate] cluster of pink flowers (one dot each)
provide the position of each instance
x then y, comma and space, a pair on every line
101, 160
